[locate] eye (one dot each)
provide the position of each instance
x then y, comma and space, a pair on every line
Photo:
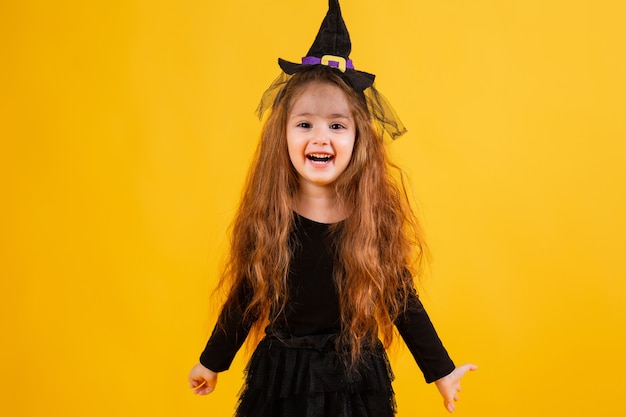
304, 125
336, 126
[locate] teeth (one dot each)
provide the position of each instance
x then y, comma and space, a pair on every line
319, 156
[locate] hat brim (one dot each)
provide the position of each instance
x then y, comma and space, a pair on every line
358, 80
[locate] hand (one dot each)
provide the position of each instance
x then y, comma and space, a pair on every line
450, 385
202, 380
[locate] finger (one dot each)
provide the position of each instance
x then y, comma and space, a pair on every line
198, 385
470, 367
450, 407
204, 391
462, 370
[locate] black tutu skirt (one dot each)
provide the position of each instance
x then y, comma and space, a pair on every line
305, 377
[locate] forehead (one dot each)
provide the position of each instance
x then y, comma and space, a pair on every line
321, 97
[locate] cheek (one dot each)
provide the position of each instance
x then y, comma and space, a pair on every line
349, 148
294, 152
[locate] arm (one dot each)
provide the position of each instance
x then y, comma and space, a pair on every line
421, 338
431, 356
228, 335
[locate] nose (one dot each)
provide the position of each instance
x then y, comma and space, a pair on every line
320, 136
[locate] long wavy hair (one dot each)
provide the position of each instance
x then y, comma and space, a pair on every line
379, 245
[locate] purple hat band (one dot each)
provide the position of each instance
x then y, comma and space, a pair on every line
330, 60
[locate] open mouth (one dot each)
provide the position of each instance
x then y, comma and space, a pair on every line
320, 158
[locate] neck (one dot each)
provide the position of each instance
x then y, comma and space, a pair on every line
319, 204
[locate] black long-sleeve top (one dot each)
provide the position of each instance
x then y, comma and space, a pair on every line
313, 308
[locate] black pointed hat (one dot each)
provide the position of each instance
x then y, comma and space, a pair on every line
332, 48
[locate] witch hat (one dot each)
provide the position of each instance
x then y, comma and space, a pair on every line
332, 48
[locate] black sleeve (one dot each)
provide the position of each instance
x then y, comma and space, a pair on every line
228, 334
422, 340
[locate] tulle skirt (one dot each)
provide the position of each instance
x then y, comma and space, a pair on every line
305, 377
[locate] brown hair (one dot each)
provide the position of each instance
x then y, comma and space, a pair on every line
379, 244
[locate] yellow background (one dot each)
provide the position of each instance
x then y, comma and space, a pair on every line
127, 128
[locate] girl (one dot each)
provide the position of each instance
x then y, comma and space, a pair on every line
322, 253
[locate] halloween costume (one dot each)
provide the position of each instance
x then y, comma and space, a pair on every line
299, 369
296, 370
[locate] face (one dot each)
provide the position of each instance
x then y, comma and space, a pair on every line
320, 135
